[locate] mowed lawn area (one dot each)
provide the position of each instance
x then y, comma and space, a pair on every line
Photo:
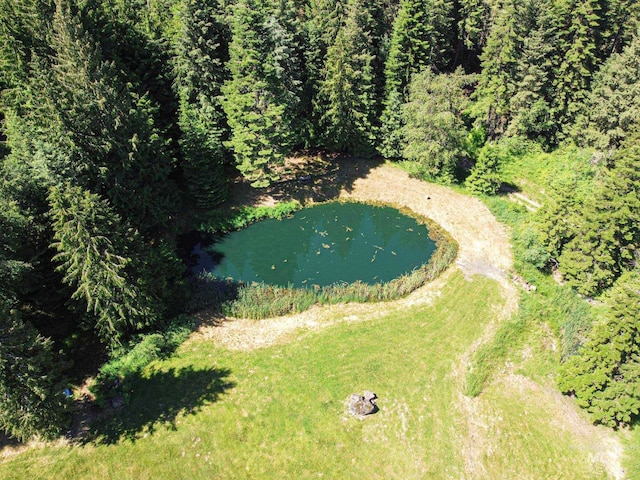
280, 411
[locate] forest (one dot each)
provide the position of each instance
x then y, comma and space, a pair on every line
123, 121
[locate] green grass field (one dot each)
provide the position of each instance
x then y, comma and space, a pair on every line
280, 412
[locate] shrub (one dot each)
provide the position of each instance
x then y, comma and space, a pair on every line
222, 222
126, 362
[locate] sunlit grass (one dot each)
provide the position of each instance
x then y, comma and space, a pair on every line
632, 457
280, 412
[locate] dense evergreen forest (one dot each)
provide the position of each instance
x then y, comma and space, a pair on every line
120, 116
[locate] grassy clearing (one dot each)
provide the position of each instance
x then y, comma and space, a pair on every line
540, 429
279, 412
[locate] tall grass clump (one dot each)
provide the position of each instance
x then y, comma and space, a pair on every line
489, 355
256, 301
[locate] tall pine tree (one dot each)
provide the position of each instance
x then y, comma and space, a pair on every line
607, 235
605, 374
576, 27
421, 39
434, 130
262, 96
114, 148
500, 59
613, 105
347, 92
31, 399
530, 106
93, 245
200, 54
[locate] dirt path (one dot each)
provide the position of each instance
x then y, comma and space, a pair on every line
484, 249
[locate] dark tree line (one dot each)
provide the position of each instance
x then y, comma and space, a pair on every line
118, 116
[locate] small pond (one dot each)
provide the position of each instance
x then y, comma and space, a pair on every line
321, 245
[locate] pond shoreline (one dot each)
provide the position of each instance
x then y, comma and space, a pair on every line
484, 247
321, 245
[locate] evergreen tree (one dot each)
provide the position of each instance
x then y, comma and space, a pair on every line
323, 19
13, 267
559, 219
613, 105
530, 105
347, 93
31, 400
24, 25
608, 233
93, 254
137, 37
391, 141
576, 27
500, 59
620, 23
113, 147
605, 374
421, 39
201, 50
262, 96
474, 24
434, 130
485, 177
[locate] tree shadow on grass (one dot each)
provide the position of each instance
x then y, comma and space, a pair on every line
158, 399
507, 187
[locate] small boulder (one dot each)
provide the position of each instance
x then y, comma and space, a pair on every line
361, 405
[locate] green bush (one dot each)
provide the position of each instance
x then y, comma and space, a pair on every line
529, 247
130, 360
222, 222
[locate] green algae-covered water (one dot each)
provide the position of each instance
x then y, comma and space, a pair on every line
321, 245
